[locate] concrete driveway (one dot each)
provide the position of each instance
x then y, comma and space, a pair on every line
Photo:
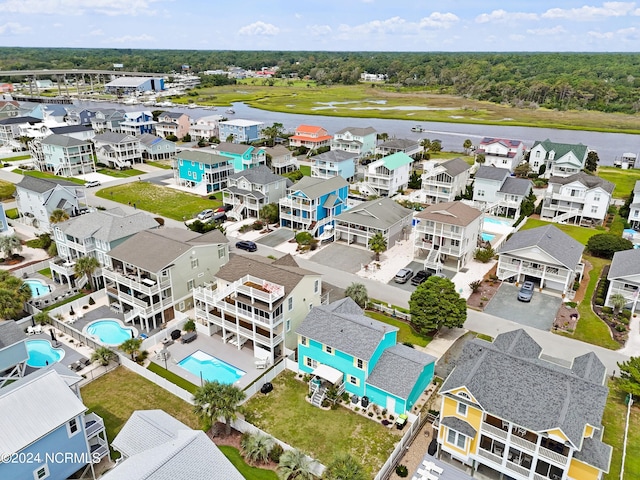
539, 313
343, 257
279, 235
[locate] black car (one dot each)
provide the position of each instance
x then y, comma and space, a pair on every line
247, 245
420, 277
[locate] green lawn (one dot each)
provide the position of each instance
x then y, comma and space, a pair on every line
248, 472
131, 172
306, 170
11, 213
582, 234
615, 414
7, 189
286, 415
165, 166
449, 155
16, 158
172, 377
624, 180
45, 271
158, 200
37, 174
405, 333
116, 395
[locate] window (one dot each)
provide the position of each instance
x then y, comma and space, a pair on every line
316, 285
194, 263
303, 340
455, 243
41, 472
310, 306
191, 284
288, 325
455, 228
353, 380
328, 349
462, 409
481, 193
360, 363
310, 362
457, 439
596, 197
594, 209
290, 303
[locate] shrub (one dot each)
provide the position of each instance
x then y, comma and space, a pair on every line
189, 325
607, 310
576, 285
621, 328
91, 301
402, 471
475, 285
484, 255
370, 414
275, 452
599, 301
571, 304
257, 225
625, 314
604, 245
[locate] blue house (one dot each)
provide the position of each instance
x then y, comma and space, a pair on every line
244, 156
342, 348
334, 162
43, 420
13, 352
313, 203
203, 171
138, 123
240, 131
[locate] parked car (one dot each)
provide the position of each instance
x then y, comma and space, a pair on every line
403, 275
92, 183
219, 218
526, 291
205, 214
247, 245
420, 277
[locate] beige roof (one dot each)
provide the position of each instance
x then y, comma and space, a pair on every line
453, 213
279, 271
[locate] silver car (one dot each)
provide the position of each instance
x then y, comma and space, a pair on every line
403, 275
526, 291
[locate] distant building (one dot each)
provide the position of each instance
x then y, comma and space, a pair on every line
250, 190
361, 141
203, 171
173, 123
138, 123
334, 162
156, 148
244, 157
65, 156
118, 150
240, 131
500, 152
310, 136
129, 85
388, 175
559, 159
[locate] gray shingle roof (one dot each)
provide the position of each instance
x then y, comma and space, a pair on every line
112, 137
63, 141
314, 187
516, 186
238, 191
492, 173
200, 156
399, 143
455, 166
107, 225
459, 425
625, 264
595, 452
343, 326
19, 120
450, 213
236, 148
336, 156
10, 333
70, 129
508, 380
589, 181
381, 213
260, 175
399, 358
551, 240
146, 429
358, 131
41, 185
589, 367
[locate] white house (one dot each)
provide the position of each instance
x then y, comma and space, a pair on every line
63, 155
442, 182
559, 159
580, 199
500, 152
624, 278
496, 191
250, 190
282, 159
386, 176
447, 235
545, 255
205, 128
634, 208
118, 150
395, 145
361, 141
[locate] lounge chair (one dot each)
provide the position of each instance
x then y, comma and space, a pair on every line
30, 331
262, 363
37, 329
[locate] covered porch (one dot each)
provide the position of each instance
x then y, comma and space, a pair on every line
326, 383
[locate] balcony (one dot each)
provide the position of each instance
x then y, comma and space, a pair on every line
514, 467
214, 317
93, 424
490, 456
297, 203
553, 456
495, 431
148, 286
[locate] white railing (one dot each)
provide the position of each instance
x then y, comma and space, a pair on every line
521, 442
491, 456
517, 468
495, 431
94, 427
551, 455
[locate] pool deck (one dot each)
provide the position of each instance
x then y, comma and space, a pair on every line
72, 351
242, 359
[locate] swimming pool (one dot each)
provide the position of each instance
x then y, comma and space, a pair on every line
42, 353
507, 222
38, 287
487, 237
211, 368
110, 331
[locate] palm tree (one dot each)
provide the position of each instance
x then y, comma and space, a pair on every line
344, 467
467, 146
214, 400
358, 293
294, 464
131, 346
256, 447
272, 133
383, 137
425, 143
58, 216
10, 244
618, 301
103, 356
86, 266
378, 244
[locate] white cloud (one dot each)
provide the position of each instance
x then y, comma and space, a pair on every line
557, 30
391, 25
439, 20
130, 39
587, 12
78, 7
502, 16
96, 33
319, 30
13, 28
631, 33
601, 35
259, 28
516, 37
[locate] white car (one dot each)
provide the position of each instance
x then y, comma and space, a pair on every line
205, 214
92, 183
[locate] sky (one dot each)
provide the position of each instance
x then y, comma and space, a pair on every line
346, 25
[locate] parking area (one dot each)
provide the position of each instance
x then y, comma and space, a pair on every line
279, 235
343, 257
416, 266
539, 313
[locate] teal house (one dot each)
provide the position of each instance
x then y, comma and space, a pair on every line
243, 156
343, 349
202, 171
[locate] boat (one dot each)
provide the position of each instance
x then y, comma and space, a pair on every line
416, 128
192, 105
230, 111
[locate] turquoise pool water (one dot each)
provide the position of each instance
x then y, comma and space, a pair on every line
487, 237
42, 353
211, 368
110, 331
38, 287
498, 221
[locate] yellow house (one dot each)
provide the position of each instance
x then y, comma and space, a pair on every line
507, 413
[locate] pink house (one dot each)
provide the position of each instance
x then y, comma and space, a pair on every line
499, 152
310, 136
173, 123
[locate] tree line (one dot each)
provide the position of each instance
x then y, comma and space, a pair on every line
608, 82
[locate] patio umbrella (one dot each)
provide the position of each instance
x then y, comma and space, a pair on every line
33, 321
53, 334
132, 335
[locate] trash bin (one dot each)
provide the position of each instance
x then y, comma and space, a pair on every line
266, 388
401, 422
364, 402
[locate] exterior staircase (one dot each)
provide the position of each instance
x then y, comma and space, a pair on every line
432, 261
367, 189
82, 281
563, 217
236, 211
318, 396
